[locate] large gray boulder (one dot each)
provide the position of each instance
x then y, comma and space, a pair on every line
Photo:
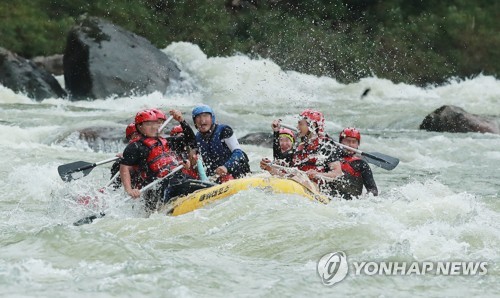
99, 139
22, 75
52, 64
102, 59
455, 119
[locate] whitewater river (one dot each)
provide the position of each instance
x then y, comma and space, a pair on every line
441, 203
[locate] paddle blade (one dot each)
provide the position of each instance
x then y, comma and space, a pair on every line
88, 219
381, 160
75, 170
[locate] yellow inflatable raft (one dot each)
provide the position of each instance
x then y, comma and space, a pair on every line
206, 196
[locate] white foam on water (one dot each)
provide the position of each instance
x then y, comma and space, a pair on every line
439, 204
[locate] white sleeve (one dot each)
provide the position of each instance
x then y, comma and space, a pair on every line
232, 143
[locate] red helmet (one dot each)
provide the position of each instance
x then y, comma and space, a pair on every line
130, 130
288, 133
159, 114
316, 117
350, 132
145, 115
176, 130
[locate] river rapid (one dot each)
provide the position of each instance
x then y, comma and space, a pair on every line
440, 204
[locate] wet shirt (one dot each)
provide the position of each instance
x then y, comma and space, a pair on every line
349, 186
327, 152
136, 153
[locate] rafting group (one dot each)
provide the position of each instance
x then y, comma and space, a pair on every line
185, 162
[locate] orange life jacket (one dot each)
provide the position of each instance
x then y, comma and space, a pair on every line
161, 159
346, 166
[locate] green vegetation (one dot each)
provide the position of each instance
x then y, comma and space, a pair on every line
417, 41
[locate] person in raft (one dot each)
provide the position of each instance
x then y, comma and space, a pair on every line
219, 147
189, 150
283, 142
315, 155
131, 135
357, 172
153, 156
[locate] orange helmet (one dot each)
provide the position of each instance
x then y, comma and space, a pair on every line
159, 114
176, 130
130, 130
145, 115
351, 133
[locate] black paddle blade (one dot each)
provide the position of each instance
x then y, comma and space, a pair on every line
88, 219
381, 160
75, 170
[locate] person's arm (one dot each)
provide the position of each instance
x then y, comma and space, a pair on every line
130, 158
332, 155
334, 171
368, 181
127, 181
237, 156
265, 164
275, 125
189, 136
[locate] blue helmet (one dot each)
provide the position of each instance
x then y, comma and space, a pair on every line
203, 109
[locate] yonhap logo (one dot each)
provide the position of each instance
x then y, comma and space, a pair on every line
333, 268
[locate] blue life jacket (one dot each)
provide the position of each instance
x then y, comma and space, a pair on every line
216, 153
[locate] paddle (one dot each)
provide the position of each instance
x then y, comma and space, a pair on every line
90, 219
201, 169
296, 171
165, 123
381, 160
66, 171
112, 179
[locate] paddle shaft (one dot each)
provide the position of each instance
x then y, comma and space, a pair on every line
384, 161
349, 148
66, 170
201, 169
178, 168
112, 179
292, 170
106, 161
90, 219
165, 123
93, 165
336, 143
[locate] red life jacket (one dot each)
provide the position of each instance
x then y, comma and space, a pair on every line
191, 173
346, 166
305, 155
161, 159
